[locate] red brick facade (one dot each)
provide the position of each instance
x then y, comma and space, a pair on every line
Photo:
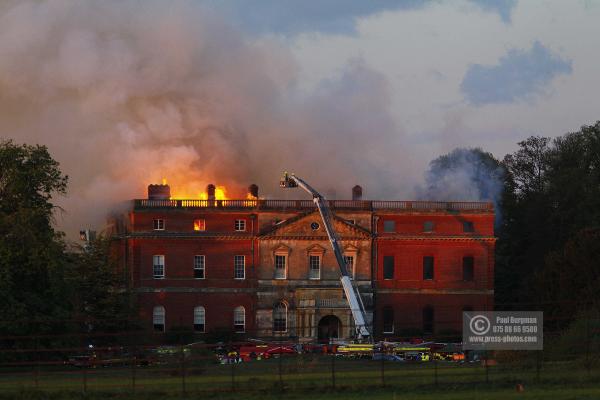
418, 265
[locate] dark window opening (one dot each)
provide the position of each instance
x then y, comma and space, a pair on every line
428, 316
389, 226
280, 318
388, 319
388, 267
468, 268
468, 227
428, 268
428, 226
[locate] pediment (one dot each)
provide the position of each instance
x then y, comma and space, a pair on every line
281, 249
350, 248
316, 249
311, 226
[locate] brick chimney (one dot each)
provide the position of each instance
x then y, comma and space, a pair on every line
159, 192
357, 193
210, 191
253, 191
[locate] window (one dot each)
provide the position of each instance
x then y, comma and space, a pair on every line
468, 227
158, 224
158, 266
280, 317
388, 319
389, 226
158, 318
427, 267
350, 265
199, 267
351, 221
199, 225
388, 267
428, 226
240, 225
199, 319
314, 263
239, 319
428, 316
468, 267
239, 267
315, 226
280, 261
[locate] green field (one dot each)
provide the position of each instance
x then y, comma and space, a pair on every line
315, 377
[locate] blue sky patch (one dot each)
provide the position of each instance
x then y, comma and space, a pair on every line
520, 74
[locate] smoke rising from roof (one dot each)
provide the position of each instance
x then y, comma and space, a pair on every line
127, 93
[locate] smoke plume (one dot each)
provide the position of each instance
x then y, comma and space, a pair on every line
126, 93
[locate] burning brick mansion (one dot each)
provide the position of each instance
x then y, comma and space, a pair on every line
265, 268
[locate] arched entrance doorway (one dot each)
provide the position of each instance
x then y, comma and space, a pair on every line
329, 327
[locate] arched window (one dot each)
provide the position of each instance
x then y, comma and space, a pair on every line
239, 319
280, 317
158, 318
199, 318
428, 318
388, 319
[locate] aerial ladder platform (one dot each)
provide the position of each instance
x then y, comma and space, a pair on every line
350, 290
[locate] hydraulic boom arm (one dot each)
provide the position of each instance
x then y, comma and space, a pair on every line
356, 306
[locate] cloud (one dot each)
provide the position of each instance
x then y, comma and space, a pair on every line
520, 74
292, 17
502, 7
296, 16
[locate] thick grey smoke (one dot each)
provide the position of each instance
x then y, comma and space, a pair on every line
126, 93
464, 174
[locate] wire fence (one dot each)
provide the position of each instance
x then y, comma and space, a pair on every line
138, 361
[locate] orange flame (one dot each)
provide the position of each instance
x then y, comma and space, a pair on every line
183, 193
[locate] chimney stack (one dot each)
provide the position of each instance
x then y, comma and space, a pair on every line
210, 190
253, 191
159, 192
357, 193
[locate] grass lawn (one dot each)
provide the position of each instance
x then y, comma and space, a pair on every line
307, 377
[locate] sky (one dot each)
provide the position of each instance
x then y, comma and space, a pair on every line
126, 93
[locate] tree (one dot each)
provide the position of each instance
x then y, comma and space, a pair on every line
98, 289
466, 174
31, 251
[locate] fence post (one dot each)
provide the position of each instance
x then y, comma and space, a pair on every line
588, 364
133, 367
182, 367
37, 363
280, 369
487, 369
87, 363
382, 369
232, 362
435, 371
538, 365
333, 369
